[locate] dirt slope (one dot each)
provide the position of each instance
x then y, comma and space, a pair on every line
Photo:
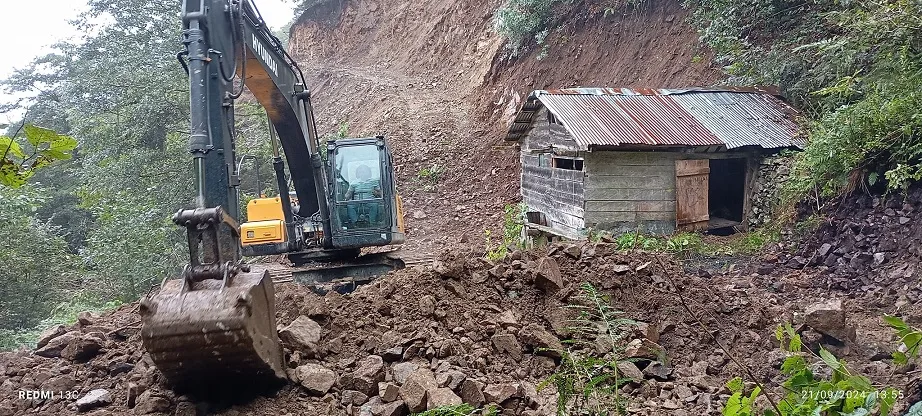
435, 78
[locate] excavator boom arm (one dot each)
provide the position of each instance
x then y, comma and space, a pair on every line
226, 39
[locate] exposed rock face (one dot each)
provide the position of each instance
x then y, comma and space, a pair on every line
772, 174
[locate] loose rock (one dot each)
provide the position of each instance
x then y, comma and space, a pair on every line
93, 399
303, 334
316, 379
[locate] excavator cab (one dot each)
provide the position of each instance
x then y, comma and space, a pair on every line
366, 210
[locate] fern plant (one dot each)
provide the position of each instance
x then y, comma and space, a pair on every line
460, 410
588, 384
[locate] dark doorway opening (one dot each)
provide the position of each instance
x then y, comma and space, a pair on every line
726, 192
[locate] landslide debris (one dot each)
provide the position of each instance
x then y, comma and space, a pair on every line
464, 330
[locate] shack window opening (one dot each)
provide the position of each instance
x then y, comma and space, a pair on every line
544, 160
568, 164
552, 119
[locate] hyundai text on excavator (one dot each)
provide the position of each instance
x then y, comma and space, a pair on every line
215, 324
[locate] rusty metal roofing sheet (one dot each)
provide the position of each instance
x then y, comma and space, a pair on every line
729, 117
742, 119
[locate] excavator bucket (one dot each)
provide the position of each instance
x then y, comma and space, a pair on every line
214, 333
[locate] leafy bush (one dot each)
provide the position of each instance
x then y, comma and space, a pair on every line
686, 243
521, 20
910, 340
460, 410
513, 224
808, 392
853, 67
20, 159
65, 313
35, 266
431, 173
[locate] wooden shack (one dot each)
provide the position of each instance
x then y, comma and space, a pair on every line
656, 161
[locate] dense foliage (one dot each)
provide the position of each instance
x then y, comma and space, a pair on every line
95, 229
521, 21
854, 67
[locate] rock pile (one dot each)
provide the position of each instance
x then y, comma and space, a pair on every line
463, 330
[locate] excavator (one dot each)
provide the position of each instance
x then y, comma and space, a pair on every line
214, 324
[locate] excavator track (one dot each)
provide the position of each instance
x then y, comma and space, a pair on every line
214, 333
347, 275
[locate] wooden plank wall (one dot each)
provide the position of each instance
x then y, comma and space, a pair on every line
557, 193
543, 135
627, 190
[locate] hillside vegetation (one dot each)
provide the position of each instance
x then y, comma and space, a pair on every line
94, 229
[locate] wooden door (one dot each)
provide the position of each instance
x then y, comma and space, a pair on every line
691, 194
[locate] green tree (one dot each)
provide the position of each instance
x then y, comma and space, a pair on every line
19, 160
35, 267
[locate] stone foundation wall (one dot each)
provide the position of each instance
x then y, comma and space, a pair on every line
771, 175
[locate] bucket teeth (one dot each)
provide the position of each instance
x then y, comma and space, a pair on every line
208, 335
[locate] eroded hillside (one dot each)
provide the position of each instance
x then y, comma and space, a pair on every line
438, 80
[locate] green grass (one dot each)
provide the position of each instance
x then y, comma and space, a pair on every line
685, 244
460, 410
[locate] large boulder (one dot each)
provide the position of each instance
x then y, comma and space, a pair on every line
82, 348
415, 390
396, 408
151, 402
302, 334
95, 398
55, 345
402, 371
829, 318
506, 343
49, 334
441, 397
368, 373
498, 393
542, 341
548, 277
315, 378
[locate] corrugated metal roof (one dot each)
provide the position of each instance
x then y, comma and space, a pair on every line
730, 117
